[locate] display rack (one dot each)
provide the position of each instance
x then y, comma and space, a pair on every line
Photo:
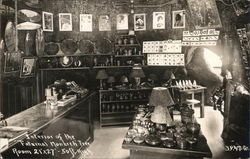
117, 107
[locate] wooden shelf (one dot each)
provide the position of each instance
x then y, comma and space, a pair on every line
110, 113
98, 67
127, 45
117, 117
116, 123
125, 101
66, 68
125, 90
123, 56
77, 55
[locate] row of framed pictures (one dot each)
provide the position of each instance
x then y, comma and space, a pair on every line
65, 21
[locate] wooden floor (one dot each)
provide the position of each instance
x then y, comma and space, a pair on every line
107, 141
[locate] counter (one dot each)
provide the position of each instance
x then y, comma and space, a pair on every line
72, 123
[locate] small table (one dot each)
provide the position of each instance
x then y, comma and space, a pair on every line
193, 91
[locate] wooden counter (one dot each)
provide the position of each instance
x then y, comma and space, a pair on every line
73, 119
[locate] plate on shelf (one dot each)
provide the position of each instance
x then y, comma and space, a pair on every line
69, 46
104, 46
51, 48
86, 46
66, 61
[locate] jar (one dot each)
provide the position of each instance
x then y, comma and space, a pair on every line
131, 40
125, 41
119, 41
187, 115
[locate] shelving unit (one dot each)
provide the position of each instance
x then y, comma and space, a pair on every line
117, 107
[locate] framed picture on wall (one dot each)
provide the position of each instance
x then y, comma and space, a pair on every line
158, 20
47, 21
65, 22
12, 61
139, 22
178, 19
204, 14
122, 22
86, 22
28, 67
104, 23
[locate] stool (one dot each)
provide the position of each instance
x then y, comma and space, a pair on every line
192, 102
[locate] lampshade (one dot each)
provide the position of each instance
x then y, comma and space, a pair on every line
160, 96
101, 74
172, 76
161, 115
124, 79
137, 72
111, 79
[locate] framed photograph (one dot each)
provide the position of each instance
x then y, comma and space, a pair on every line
65, 22
104, 23
158, 20
86, 22
122, 22
139, 22
28, 67
204, 14
47, 21
12, 62
178, 19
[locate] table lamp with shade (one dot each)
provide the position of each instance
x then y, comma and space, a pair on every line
168, 77
101, 75
111, 80
160, 98
124, 80
137, 73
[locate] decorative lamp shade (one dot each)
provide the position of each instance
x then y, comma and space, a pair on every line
161, 115
101, 74
124, 79
160, 96
137, 72
111, 79
172, 76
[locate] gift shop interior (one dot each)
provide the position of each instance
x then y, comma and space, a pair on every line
137, 79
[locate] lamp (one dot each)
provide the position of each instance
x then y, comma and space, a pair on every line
137, 73
111, 80
101, 75
161, 99
170, 79
153, 78
124, 80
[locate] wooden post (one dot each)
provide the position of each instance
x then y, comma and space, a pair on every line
16, 22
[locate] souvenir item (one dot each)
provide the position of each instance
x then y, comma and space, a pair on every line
29, 15
39, 42
86, 46
28, 44
152, 140
28, 26
69, 46
181, 143
138, 139
10, 36
66, 61
193, 128
191, 141
169, 143
51, 48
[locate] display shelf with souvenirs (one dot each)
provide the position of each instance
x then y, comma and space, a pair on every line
243, 35
117, 106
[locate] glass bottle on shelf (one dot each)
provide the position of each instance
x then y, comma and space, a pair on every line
108, 108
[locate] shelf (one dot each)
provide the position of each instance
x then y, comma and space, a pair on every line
125, 101
69, 68
98, 67
127, 45
111, 113
116, 123
117, 117
122, 56
61, 55
125, 90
